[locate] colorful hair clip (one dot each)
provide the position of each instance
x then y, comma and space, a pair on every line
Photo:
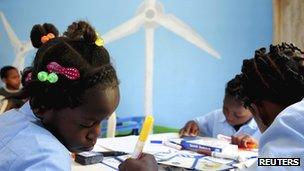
47, 37
70, 73
54, 68
28, 77
52, 77
99, 41
43, 76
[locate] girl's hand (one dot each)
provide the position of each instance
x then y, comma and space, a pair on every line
146, 162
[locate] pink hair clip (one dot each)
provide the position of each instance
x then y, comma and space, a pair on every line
28, 77
70, 73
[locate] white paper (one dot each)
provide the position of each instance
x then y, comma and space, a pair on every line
125, 144
180, 162
110, 162
204, 164
219, 160
248, 154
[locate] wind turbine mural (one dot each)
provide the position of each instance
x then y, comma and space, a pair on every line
20, 48
150, 14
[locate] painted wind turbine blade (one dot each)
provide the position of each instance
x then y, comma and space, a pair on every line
150, 2
175, 25
148, 106
11, 34
28, 46
19, 61
125, 29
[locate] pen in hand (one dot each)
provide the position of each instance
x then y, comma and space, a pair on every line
146, 128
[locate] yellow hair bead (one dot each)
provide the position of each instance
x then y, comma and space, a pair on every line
99, 41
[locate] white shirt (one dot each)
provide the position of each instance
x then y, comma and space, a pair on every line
26, 145
215, 123
284, 138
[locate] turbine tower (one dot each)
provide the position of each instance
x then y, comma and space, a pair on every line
150, 14
20, 48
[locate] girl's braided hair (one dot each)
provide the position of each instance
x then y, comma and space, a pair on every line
76, 49
275, 76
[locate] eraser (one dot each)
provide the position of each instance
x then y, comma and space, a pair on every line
86, 158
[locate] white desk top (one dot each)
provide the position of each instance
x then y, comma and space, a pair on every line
129, 142
125, 144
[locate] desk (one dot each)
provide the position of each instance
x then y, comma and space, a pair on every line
106, 142
125, 144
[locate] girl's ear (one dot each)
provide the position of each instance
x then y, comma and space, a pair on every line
254, 109
38, 113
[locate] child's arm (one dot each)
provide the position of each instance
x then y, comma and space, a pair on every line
190, 129
46, 160
145, 163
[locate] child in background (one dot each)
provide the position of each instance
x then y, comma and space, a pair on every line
11, 78
72, 87
273, 83
232, 119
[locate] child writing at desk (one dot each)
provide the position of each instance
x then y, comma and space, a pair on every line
232, 119
72, 87
273, 83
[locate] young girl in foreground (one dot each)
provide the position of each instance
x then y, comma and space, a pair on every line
72, 87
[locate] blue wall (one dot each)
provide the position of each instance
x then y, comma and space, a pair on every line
187, 81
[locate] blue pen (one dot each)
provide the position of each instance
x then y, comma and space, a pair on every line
156, 141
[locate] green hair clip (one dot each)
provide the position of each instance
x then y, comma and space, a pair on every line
43, 76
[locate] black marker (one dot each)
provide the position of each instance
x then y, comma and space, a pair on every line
112, 153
